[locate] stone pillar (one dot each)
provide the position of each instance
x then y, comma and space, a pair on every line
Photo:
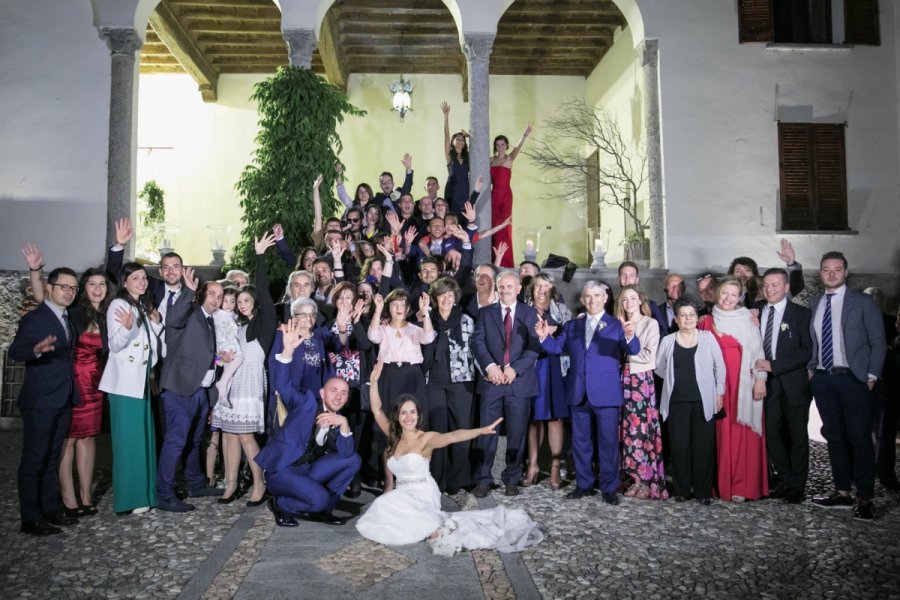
123, 42
477, 48
648, 50
301, 43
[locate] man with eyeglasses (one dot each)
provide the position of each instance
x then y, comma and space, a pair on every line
45, 342
388, 195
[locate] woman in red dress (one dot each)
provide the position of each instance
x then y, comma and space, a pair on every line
501, 193
740, 441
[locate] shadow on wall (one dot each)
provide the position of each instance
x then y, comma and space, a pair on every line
71, 231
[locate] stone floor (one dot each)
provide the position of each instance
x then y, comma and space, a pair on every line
647, 549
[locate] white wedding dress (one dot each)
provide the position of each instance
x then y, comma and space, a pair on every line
412, 512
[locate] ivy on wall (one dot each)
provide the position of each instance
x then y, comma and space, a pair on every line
299, 112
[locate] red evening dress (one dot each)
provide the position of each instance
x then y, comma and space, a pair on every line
741, 453
88, 369
501, 209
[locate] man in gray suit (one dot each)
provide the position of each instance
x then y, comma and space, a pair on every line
188, 374
848, 355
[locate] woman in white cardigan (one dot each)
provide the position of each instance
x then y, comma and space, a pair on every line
134, 330
642, 458
693, 371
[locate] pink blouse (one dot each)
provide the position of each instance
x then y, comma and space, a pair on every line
400, 345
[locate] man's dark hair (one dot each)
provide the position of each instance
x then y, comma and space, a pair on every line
171, 255
746, 261
203, 290
776, 271
530, 262
834, 254
386, 174
629, 263
53, 277
322, 260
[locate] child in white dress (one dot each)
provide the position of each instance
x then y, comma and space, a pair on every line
225, 321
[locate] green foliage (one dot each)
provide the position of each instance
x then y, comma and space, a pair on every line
155, 198
299, 112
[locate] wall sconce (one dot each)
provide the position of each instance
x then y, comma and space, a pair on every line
402, 96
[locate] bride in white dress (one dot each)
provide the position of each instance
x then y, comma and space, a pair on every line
411, 512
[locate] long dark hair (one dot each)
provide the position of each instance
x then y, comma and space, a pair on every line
368, 188
92, 316
465, 151
144, 303
251, 291
396, 430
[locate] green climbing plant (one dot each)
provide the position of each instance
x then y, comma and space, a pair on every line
299, 112
151, 212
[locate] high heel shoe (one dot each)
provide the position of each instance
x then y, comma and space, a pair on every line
555, 477
531, 478
259, 502
228, 499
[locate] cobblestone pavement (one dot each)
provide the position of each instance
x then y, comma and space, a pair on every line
646, 548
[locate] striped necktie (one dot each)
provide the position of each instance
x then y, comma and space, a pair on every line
770, 328
827, 342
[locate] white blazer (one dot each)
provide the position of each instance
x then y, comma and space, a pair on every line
130, 351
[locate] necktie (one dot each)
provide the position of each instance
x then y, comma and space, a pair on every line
507, 330
170, 300
767, 339
67, 326
589, 329
212, 328
827, 347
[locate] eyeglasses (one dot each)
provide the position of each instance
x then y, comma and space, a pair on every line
66, 287
305, 315
353, 220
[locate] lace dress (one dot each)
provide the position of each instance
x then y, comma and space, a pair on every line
248, 388
412, 512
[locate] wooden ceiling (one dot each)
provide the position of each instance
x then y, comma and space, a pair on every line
534, 37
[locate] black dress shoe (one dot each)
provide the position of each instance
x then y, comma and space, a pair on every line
835, 500
482, 490
511, 490
863, 510
330, 519
73, 513
39, 528
59, 518
680, 499
252, 503
88, 511
578, 493
205, 491
794, 497
779, 492
703, 501
281, 519
354, 491
611, 498
175, 505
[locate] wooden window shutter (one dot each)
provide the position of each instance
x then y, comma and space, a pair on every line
861, 22
757, 21
830, 177
813, 177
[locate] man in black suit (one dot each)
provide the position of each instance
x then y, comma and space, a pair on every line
674, 286
45, 342
188, 374
788, 347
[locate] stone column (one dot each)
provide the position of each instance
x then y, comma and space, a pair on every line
301, 43
648, 51
477, 48
123, 42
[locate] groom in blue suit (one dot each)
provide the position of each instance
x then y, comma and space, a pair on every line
310, 459
596, 345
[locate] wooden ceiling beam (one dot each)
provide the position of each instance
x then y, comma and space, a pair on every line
179, 41
230, 13
259, 4
332, 53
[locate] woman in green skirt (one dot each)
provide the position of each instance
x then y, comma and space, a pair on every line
134, 330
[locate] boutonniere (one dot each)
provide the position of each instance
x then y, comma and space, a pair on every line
601, 324
785, 327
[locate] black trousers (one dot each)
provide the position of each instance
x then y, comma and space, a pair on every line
451, 407
787, 440
887, 450
692, 450
43, 433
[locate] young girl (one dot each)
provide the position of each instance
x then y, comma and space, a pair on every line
225, 320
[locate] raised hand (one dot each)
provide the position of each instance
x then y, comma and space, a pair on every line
458, 232
384, 251
264, 243
318, 181
479, 183
45, 345
278, 231
34, 258
124, 231
378, 300
344, 314
290, 336
469, 212
541, 328
336, 251
338, 168
445, 108
786, 253
409, 236
358, 309
125, 317
407, 161
499, 251
506, 222
191, 281
393, 220
424, 302
528, 129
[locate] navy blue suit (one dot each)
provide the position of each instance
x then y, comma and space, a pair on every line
302, 477
594, 390
511, 401
45, 401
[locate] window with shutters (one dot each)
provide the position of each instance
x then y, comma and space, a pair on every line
813, 177
808, 21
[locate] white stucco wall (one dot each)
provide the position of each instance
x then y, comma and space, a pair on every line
54, 118
719, 101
